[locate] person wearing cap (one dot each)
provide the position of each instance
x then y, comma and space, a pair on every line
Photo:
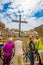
7, 49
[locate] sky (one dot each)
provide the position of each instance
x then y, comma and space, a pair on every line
30, 11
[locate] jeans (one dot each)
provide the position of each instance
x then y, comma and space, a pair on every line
31, 58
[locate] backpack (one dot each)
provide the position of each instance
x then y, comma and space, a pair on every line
32, 46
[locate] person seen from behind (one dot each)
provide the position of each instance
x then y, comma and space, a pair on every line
1, 46
32, 49
8, 50
18, 52
39, 47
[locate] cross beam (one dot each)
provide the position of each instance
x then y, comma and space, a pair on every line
19, 21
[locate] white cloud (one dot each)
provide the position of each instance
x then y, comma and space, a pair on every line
1, 6
29, 7
4, 1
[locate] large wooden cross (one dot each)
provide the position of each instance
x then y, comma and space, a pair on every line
19, 21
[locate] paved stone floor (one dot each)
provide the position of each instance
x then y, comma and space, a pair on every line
13, 62
28, 63
24, 63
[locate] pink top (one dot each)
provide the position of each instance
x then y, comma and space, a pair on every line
8, 48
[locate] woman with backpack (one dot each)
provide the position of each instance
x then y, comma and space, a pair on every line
32, 49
